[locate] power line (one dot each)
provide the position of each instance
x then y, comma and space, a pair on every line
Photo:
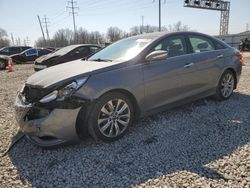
72, 5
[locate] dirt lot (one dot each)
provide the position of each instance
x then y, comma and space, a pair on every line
203, 144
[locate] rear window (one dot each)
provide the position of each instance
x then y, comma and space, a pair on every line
93, 49
201, 44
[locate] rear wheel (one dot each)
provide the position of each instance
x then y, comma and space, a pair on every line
226, 85
111, 116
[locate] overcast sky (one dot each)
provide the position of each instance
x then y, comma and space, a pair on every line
20, 17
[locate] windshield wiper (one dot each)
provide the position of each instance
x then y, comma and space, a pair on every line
104, 60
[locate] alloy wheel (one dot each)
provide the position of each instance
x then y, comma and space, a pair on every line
114, 118
227, 85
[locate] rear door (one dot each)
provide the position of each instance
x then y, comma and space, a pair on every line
169, 80
31, 54
208, 59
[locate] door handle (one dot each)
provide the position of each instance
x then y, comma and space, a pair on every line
220, 56
188, 65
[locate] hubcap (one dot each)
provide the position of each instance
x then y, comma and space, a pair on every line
227, 85
114, 118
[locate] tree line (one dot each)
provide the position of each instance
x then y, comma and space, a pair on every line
65, 37
4, 41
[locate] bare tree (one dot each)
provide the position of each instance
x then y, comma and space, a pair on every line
83, 36
96, 38
178, 27
63, 37
135, 30
4, 41
114, 34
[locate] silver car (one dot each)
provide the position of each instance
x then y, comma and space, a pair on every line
131, 78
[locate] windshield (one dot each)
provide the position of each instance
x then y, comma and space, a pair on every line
64, 50
122, 50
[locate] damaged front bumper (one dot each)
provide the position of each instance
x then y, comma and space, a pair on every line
46, 127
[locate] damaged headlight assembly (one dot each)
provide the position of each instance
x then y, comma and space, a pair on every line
65, 92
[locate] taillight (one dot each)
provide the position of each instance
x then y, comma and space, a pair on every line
241, 58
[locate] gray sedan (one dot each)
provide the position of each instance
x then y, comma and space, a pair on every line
131, 78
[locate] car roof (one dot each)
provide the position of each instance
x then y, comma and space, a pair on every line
156, 35
19, 47
79, 45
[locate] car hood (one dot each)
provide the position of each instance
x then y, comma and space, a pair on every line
46, 57
67, 72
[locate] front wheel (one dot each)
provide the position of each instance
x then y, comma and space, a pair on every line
2, 65
111, 116
226, 85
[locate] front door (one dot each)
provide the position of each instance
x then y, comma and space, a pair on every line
169, 80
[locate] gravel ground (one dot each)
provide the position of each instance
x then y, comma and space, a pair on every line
203, 144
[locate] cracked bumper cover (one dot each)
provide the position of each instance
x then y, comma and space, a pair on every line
58, 124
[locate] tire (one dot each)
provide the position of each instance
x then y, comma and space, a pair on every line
2, 65
225, 86
110, 117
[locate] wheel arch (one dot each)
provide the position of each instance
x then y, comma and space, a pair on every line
82, 117
234, 74
130, 96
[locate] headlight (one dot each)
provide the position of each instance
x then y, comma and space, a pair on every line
65, 92
50, 97
21, 88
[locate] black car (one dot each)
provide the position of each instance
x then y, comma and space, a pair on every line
66, 54
13, 50
30, 55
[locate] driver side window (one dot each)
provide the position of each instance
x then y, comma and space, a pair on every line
175, 46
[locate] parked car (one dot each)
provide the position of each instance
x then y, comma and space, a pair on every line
3, 61
13, 50
66, 54
130, 78
29, 55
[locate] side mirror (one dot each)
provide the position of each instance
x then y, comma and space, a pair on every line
157, 55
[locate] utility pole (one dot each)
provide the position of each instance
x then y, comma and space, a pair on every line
160, 13
12, 39
41, 29
247, 26
45, 21
72, 5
